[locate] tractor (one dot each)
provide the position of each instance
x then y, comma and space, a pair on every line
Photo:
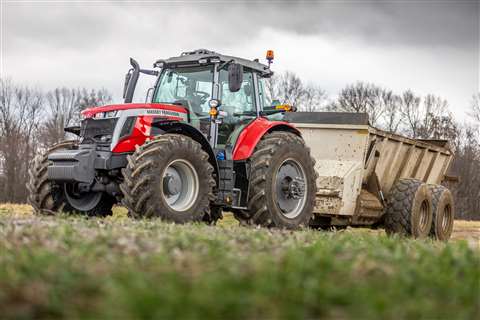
208, 138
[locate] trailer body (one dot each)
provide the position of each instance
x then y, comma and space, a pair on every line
358, 164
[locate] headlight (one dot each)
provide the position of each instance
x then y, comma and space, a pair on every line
106, 138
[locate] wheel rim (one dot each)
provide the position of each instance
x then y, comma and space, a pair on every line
423, 218
446, 218
291, 188
180, 185
82, 201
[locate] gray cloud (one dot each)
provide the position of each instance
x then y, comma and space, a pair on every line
88, 44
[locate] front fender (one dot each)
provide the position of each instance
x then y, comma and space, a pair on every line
251, 135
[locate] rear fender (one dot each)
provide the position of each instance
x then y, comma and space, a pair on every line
253, 133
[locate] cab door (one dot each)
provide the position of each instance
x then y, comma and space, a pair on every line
239, 108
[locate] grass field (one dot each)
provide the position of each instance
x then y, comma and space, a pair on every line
72, 267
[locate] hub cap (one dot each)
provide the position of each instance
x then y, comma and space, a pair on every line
291, 188
424, 215
81, 201
446, 218
180, 185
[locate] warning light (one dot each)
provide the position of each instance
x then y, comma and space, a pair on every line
269, 57
286, 107
213, 112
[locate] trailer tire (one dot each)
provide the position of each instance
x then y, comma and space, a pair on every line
409, 209
169, 177
443, 212
280, 154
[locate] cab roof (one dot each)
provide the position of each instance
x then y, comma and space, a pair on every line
194, 56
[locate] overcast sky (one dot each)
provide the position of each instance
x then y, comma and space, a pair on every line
426, 46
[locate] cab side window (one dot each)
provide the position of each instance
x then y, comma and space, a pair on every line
239, 107
240, 102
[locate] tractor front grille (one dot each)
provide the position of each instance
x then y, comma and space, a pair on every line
92, 130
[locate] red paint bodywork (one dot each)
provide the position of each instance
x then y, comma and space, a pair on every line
90, 112
140, 133
251, 135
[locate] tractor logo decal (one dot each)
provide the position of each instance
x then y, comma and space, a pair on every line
162, 112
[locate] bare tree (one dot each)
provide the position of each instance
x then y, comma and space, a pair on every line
437, 121
94, 98
63, 109
290, 89
391, 117
19, 118
466, 166
410, 111
360, 97
314, 98
475, 113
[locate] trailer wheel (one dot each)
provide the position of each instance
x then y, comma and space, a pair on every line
169, 177
282, 183
409, 209
46, 197
443, 212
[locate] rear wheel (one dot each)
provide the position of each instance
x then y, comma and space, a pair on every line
48, 197
409, 209
443, 212
282, 183
169, 177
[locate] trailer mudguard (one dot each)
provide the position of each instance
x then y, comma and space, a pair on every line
251, 135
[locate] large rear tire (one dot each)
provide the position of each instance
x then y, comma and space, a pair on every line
169, 177
443, 212
409, 209
49, 198
282, 183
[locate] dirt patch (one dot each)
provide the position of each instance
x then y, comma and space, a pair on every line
467, 230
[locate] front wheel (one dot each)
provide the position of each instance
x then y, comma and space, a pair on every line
169, 177
49, 198
282, 183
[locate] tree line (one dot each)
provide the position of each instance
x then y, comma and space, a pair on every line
31, 120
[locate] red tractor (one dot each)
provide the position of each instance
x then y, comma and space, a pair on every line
208, 139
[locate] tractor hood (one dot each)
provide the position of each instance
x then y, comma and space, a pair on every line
150, 108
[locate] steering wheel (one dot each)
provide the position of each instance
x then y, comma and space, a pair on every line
202, 95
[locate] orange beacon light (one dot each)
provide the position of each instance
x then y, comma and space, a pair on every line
269, 57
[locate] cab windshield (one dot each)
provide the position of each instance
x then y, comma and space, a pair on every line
190, 87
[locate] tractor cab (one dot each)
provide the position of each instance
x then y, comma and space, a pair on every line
222, 94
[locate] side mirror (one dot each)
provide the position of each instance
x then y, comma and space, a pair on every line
235, 77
